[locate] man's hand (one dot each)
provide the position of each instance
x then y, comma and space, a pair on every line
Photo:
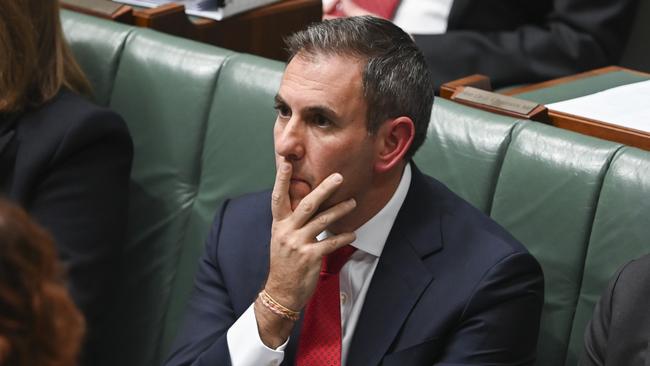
296, 255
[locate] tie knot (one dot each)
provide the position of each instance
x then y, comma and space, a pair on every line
333, 262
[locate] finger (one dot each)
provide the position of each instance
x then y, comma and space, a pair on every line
311, 202
280, 202
329, 245
328, 217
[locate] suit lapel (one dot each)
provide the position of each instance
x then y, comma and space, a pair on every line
400, 277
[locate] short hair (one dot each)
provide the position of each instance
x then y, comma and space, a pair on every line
396, 79
39, 323
36, 61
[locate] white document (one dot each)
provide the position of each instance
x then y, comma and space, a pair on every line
203, 8
627, 105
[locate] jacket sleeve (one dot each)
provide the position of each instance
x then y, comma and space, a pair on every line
82, 199
597, 331
574, 36
202, 337
500, 323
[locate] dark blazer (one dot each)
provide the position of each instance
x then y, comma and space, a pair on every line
451, 287
515, 42
71, 169
619, 332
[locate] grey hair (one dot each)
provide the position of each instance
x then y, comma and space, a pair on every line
396, 79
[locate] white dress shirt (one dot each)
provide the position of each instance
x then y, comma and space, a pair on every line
244, 343
423, 16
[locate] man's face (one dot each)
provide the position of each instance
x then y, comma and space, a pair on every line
321, 127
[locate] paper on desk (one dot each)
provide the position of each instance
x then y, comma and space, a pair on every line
204, 8
627, 105
190, 7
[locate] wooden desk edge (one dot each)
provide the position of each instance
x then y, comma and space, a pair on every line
570, 78
477, 80
600, 129
123, 14
586, 126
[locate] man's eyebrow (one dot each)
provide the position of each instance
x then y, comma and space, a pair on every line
324, 110
317, 109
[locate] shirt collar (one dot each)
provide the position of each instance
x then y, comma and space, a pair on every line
372, 236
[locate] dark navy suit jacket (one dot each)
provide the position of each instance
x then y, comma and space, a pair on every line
451, 287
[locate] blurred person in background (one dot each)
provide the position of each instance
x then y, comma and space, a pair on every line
618, 333
63, 159
512, 42
39, 323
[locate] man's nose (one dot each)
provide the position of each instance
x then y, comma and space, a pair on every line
289, 139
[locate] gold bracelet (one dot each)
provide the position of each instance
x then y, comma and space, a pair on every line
277, 308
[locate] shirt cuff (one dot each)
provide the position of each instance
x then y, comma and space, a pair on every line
245, 346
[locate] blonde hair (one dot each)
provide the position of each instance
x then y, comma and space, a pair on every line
36, 61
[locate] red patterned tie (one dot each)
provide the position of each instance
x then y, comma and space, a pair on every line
320, 337
383, 8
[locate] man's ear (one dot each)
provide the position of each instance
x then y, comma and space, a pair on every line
394, 140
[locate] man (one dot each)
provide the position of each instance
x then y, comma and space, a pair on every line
432, 280
512, 42
619, 332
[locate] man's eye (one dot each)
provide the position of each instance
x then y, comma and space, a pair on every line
283, 111
322, 121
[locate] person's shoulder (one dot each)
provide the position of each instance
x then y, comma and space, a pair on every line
641, 264
81, 113
241, 222
248, 209
69, 114
477, 228
634, 275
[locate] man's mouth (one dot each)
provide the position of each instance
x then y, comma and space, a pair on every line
297, 180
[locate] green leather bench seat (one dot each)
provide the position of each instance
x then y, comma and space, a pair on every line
620, 228
546, 197
201, 120
466, 161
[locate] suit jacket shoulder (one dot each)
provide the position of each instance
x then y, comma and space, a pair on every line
453, 285
619, 332
62, 127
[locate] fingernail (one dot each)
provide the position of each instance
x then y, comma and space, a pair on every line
285, 167
338, 178
353, 202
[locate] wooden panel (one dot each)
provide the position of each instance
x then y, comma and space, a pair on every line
101, 8
258, 31
586, 126
261, 31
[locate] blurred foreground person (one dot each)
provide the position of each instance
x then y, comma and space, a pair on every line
39, 323
65, 160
